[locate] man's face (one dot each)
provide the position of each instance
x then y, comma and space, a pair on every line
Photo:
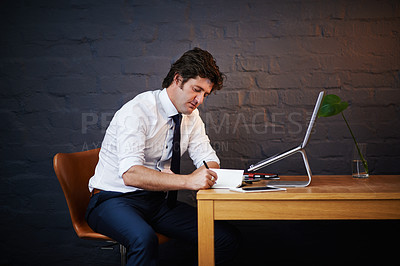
188, 97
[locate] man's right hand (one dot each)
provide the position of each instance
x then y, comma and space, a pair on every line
202, 178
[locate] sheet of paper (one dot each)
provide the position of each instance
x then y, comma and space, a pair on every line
228, 178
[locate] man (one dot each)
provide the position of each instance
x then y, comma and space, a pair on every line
139, 163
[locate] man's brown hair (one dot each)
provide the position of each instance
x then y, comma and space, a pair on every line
194, 63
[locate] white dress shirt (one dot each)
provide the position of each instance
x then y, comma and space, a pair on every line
140, 133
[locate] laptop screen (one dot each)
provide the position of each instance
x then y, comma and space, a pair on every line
285, 154
312, 120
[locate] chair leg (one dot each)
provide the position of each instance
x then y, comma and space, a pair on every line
122, 250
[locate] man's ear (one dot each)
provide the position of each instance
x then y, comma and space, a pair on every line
178, 78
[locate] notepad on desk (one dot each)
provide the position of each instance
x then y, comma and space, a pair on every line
228, 178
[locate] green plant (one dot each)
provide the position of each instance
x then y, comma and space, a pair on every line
333, 105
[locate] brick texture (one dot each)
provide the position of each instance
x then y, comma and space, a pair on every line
67, 66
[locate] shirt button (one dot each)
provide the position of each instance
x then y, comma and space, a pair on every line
166, 147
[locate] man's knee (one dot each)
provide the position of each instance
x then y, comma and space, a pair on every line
142, 248
143, 240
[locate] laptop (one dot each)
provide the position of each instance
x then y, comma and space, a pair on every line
297, 149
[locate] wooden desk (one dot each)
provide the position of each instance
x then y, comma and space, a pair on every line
327, 198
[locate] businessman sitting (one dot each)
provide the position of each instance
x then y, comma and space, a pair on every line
134, 188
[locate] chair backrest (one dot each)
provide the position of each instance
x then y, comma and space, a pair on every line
73, 171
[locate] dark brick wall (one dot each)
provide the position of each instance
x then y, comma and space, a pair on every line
67, 66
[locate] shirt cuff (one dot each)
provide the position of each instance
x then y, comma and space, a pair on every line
127, 163
212, 158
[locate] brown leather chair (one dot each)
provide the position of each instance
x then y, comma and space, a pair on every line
73, 171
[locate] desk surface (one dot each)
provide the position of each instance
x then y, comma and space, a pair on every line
327, 198
322, 187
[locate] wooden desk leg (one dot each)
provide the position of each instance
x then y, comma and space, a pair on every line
206, 232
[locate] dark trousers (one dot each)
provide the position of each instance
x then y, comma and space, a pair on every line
133, 218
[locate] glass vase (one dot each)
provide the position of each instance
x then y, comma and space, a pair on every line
359, 161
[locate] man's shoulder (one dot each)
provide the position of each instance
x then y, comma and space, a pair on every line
144, 100
145, 97
142, 105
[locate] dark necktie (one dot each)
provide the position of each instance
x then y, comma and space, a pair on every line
176, 157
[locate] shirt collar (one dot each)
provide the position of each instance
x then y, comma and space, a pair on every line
167, 104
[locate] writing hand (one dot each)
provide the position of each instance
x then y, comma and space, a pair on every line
202, 178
